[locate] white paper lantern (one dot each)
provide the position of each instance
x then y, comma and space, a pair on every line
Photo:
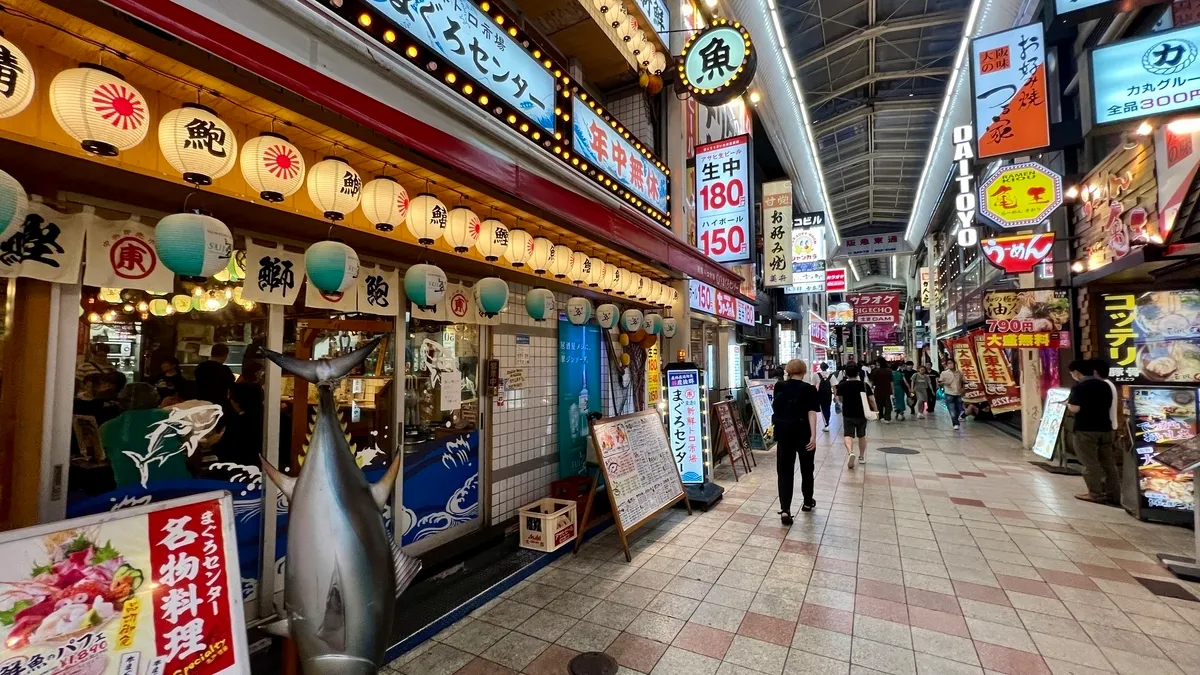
14, 205
652, 323
543, 255
462, 229
334, 187
595, 273
491, 295
670, 327
494, 239
197, 143
658, 63
539, 303
561, 261
603, 6
608, 277
579, 310
98, 108
622, 280
637, 42
647, 55
17, 81
427, 218
520, 248
637, 288
425, 285
607, 315
193, 245
581, 264
631, 320
331, 265
619, 16
385, 203
272, 166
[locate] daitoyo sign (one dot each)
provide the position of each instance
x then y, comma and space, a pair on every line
965, 202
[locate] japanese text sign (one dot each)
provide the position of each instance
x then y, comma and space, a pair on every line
1018, 254
808, 249
47, 246
1008, 80
467, 36
684, 429
599, 144
705, 298
658, 16
726, 306
875, 307
806, 282
1176, 159
723, 199
924, 278
1027, 319
1001, 390
1153, 75
1152, 337
273, 275
835, 280
873, 245
121, 254
777, 233
745, 312
718, 63
818, 330
962, 350
379, 291
1020, 195
151, 589
892, 352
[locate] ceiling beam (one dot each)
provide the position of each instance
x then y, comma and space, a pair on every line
870, 214
866, 189
834, 167
882, 28
878, 77
862, 112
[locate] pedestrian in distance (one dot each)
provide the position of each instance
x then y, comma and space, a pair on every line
953, 385
900, 392
825, 385
795, 408
923, 390
852, 395
881, 382
1090, 401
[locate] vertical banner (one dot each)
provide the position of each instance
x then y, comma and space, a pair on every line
723, 199
378, 291
925, 296
685, 429
273, 275
654, 375
1176, 157
48, 246
121, 254
578, 393
962, 349
777, 233
460, 308
1008, 83
1001, 389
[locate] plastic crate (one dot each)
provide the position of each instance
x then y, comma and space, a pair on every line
548, 524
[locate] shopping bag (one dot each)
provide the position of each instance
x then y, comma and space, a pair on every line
868, 407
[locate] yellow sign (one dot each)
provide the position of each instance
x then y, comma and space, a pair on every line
1021, 195
653, 376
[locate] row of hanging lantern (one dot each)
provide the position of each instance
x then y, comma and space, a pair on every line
640, 45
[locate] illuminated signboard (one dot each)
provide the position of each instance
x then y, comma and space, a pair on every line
598, 143
1008, 80
1020, 195
723, 199
1155, 75
1017, 254
818, 330
658, 16
705, 298
718, 63
684, 423
835, 280
777, 233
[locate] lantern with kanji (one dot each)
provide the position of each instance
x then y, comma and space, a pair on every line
581, 265
561, 261
462, 229
595, 272
607, 315
384, 203
98, 108
16, 79
631, 320
539, 303
543, 255
193, 245
331, 266
520, 248
493, 240
670, 327
652, 323
425, 285
579, 310
14, 204
427, 217
491, 295
197, 143
334, 187
272, 166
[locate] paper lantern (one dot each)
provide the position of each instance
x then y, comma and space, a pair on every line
581, 265
159, 307
636, 42
334, 187
272, 166
647, 55
491, 295
494, 239
17, 81
520, 248
427, 218
197, 143
543, 255
595, 273
607, 315
579, 310
98, 108
385, 203
425, 285
669, 327
652, 323
639, 287
14, 205
462, 229
608, 277
631, 320
331, 266
619, 278
193, 245
658, 63
181, 303
603, 6
539, 303
622, 22
560, 261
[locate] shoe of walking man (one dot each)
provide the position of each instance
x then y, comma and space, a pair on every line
953, 384
1090, 401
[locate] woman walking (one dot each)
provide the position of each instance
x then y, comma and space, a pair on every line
900, 393
795, 419
923, 389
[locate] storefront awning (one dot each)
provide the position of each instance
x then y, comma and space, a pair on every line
1149, 263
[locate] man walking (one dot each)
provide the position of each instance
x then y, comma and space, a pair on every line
881, 382
1090, 401
953, 384
851, 393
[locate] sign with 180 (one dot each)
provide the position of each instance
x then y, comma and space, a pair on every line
723, 199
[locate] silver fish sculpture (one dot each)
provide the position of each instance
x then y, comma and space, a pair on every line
343, 572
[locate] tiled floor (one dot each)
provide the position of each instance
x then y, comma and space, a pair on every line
960, 559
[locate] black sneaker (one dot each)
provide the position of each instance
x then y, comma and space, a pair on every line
808, 506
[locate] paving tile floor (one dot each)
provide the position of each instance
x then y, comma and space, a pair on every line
963, 558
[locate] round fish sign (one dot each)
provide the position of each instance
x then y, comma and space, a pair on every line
718, 63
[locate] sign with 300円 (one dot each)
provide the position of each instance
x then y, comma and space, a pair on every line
1020, 195
718, 63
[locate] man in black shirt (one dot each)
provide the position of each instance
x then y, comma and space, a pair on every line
214, 379
854, 417
1089, 401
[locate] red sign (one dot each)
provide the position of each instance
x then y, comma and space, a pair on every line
132, 258
1018, 254
835, 280
998, 384
876, 307
726, 306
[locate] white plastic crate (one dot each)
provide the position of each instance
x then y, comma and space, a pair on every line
548, 524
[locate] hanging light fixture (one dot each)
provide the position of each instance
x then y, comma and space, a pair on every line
561, 261
658, 63
595, 273
425, 285
608, 277
637, 42
631, 320
617, 15
334, 187
17, 81
670, 327
539, 303
626, 28
579, 311
637, 288
647, 55
543, 255
652, 323
520, 248
581, 264
14, 205
427, 218
331, 265
98, 108
197, 143
193, 245
607, 315
493, 240
384, 203
491, 295
621, 280
272, 166
603, 6
462, 229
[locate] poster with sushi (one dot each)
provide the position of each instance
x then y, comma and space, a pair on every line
149, 590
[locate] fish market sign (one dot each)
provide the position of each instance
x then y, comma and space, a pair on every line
964, 201
1155, 75
599, 144
718, 63
469, 38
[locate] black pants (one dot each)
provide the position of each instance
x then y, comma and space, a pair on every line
825, 404
786, 466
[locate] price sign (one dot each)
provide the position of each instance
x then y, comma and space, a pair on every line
723, 199
701, 296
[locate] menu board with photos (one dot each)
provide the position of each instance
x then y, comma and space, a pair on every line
731, 434
1053, 413
762, 407
1163, 416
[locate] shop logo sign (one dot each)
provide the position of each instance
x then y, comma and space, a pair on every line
964, 202
1169, 57
1018, 254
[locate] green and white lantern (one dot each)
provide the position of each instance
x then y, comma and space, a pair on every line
607, 315
491, 295
539, 303
669, 327
193, 245
14, 205
331, 266
579, 310
425, 285
631, 320
653, 323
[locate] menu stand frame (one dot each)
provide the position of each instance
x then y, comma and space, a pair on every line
744, 432
723, 440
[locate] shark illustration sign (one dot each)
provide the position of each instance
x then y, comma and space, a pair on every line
1020, 195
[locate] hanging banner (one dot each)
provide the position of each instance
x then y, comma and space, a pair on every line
379, 291
875, 307
723, 199
962, 350
578, 393
1002, 391
48, 246
459, 305
873, 245
1008, 81
1176, 158
777, 233
340, 302
120, 254
273, 275
924, 278
835, 280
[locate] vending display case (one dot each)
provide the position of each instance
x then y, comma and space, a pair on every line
1160, 417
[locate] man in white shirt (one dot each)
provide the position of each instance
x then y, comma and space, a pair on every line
1101, 368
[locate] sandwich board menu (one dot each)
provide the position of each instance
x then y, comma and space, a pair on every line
641, 475
1052, 417
762, 408
140, 591
731, 436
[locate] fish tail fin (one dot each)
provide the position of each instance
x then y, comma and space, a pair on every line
298, 367
382, 488
322, 371
406, 567
284, 482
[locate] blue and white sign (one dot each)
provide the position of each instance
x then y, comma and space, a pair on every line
1154, 75
658, 15
597, 143
685, 429
469, 38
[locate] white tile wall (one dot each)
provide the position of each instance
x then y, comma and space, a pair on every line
632, 111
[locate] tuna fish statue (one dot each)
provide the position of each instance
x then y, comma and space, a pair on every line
343, 573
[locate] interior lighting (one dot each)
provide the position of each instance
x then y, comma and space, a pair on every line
1077, 267
754, 97
1144, 129
1184, 125
364, 20
1072, 192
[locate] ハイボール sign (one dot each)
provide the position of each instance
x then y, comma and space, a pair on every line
1021, 195
718, 63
